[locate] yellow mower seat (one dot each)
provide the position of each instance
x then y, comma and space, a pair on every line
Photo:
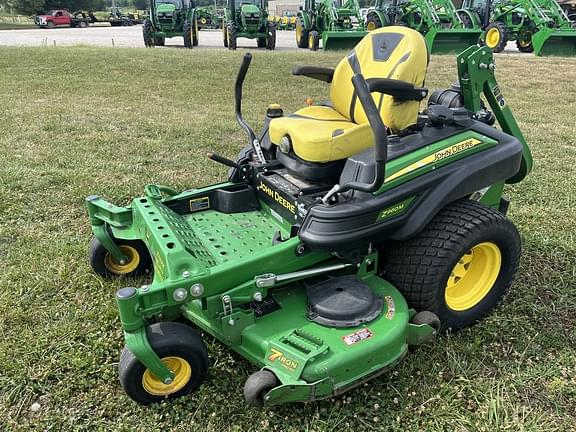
325, 134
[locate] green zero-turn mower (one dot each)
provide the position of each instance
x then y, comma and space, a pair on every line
346, 232
338, 23
539, 26
437, 20
170, 18
248, 19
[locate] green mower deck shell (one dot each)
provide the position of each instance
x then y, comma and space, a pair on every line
335, 40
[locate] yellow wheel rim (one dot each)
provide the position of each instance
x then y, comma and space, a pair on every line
492, 38
310, 41
370, 26
524, 42
114, 266
473, 276
298, 33
182, 373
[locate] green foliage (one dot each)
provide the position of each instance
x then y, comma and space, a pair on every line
28, 7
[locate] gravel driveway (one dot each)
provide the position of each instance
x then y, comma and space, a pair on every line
122, 37
132, 37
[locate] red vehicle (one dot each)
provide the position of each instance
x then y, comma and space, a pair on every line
61, 17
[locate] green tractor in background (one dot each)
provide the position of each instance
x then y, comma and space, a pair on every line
538, 26
436, 20
248, 19
339, 24
170, 18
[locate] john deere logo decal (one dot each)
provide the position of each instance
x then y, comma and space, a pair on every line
277, 355
276, 196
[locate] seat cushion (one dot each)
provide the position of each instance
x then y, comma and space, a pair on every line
321, 134
389, 52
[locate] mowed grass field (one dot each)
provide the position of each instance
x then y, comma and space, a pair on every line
80, 121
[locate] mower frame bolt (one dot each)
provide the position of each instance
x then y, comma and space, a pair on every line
186, 274
258, 296
180, 294
197, 289
144, 288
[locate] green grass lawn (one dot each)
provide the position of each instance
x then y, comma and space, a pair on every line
110, 121
9, 25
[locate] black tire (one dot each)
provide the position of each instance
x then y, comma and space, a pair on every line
50, 24
374, 21
498, 44
422, 266
159, 41
525, 44
195, 33
466, 20
147, 34
271, 39
231, 33
187, 34
257, 385
301, 34
167, 339
82, 24
225, 36
104, 265
261, 42
314, 40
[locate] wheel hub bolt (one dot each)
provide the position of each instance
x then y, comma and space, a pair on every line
168, 381
122, 262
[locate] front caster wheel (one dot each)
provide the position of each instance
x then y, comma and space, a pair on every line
181, 349
105, 265
257, 385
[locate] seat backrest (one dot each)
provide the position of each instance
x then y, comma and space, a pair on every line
390, 52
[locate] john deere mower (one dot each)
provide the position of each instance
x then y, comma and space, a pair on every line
337, 23
345, 232
248, 19
437, 20
170, 18
539, 26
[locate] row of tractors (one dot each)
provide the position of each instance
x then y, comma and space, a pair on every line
539, 26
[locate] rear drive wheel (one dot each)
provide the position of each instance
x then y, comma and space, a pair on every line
459, 266
271, 39
301, 34
225, 36
313, 40
187, 29
373, 22
159, 41
181, 349
105, 265
147, 33
257, 385
496, 37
